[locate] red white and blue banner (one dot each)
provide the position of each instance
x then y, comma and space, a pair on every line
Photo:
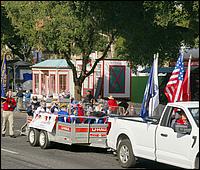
117, 76
3, 76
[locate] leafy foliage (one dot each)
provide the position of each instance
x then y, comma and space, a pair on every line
9, 37
138, 29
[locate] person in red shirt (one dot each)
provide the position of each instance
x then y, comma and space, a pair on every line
112, 105
182, 119
8, 108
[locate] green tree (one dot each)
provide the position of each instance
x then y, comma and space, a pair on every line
9, 37
161, 26
65, 28
139, 29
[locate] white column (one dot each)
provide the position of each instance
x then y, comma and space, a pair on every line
40, 83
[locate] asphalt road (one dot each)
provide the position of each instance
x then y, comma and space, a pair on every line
16, 153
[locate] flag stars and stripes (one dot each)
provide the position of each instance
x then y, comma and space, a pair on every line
172, 88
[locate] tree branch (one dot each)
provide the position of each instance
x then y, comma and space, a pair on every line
68, 59
103, 56
16, 52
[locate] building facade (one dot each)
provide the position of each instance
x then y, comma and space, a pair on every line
110, 77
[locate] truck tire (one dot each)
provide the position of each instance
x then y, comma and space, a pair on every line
44, 140
125, 154
197, 163
33, 137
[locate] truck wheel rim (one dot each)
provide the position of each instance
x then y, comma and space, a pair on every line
124, 154
42, 139
31, 136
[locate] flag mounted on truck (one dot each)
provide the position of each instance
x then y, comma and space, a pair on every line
173, 87
151, 94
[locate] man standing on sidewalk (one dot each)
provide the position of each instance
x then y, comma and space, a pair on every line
8, 107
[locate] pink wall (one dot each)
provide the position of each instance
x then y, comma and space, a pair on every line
47, 82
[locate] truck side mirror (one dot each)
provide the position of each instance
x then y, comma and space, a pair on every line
183, 129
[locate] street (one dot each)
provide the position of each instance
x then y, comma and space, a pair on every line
16, 153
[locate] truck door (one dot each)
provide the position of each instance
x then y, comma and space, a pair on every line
172, 147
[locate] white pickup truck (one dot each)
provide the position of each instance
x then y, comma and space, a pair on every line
159, 139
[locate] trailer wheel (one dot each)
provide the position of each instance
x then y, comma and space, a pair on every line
33, 137
44, 140
125, 154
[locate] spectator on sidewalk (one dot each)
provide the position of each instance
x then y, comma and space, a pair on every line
27, 97
8, 108
20, 99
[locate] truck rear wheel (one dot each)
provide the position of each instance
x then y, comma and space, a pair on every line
125, 154
33, 136
44, 140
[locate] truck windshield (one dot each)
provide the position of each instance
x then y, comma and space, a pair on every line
195, 114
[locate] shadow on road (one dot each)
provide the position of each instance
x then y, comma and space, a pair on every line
147, 164
79, 148
141, 163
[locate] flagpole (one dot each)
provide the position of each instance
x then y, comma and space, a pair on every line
188, 86
158, 83
154, 56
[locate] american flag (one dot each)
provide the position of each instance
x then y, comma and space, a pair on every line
173, 87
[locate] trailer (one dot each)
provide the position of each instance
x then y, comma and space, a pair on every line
46, 128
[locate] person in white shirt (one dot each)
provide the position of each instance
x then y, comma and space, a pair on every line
55, 107
42, 108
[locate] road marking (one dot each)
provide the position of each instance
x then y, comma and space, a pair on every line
6, 150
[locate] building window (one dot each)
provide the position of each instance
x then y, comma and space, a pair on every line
86, 84
62, 83
52, 84
117, 79
36, 83
98, 71
43, 83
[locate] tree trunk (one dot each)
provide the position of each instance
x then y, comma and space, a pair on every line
77, 92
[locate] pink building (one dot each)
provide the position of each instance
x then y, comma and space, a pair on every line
110, 77
51, 77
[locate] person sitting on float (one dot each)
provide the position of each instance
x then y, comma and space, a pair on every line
73, 105
112, 104
79, 113
55, 107
63, 114
42, 108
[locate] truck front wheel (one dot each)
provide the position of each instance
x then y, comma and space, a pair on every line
125, 154
33, 137
44, 140
197, 163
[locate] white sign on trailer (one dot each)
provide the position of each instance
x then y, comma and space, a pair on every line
44, 121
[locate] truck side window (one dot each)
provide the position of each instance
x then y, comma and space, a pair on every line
166, 116
174, 115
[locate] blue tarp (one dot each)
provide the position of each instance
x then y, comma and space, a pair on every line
27, 76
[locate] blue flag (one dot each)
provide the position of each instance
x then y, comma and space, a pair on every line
3, 77
151, 94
